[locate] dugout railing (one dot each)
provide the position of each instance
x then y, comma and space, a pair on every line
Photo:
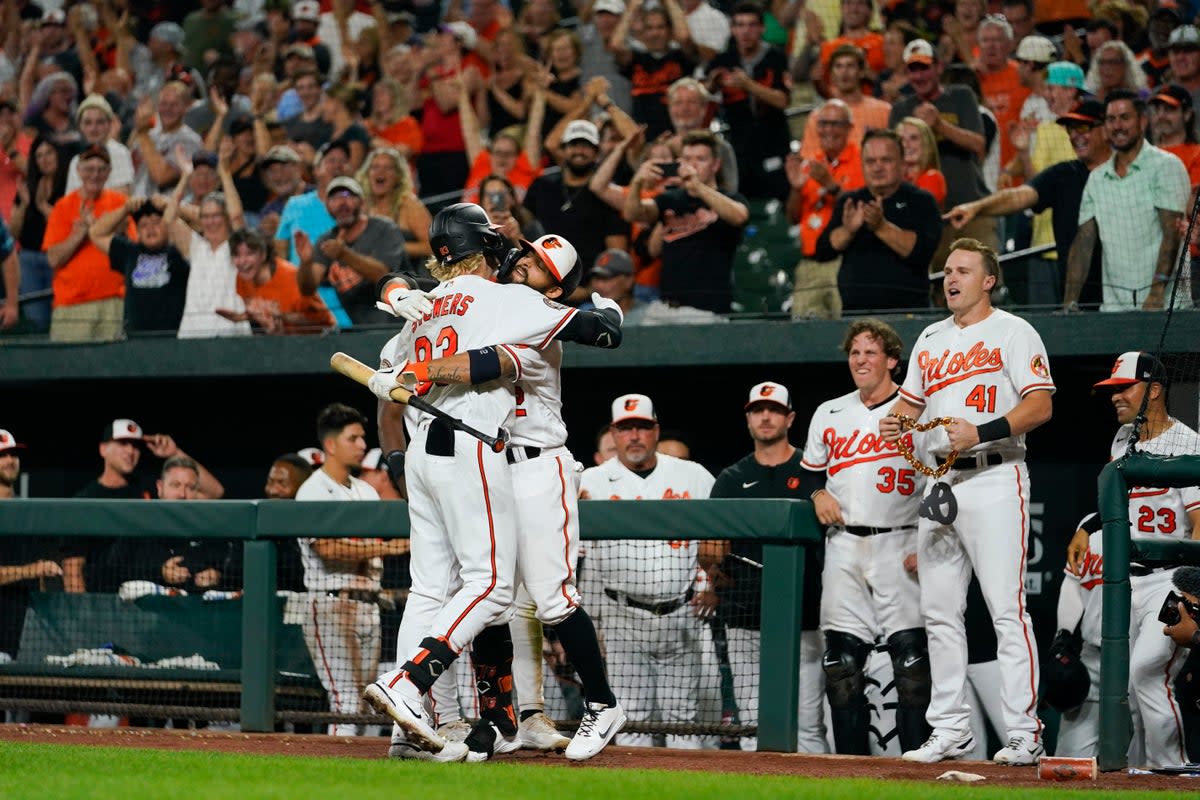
783, 527
1134, 469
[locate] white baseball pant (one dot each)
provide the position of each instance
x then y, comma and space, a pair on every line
1154, 663
865, 588
343, 640
989, 536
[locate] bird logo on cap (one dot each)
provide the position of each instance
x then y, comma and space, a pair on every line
631, 404
551, 243
1117, 366
131, 428
766, 391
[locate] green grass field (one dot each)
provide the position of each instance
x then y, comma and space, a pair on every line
66, 772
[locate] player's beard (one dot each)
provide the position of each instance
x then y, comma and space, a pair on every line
769, 440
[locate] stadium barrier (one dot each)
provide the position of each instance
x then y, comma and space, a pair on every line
1134, 469
261, 669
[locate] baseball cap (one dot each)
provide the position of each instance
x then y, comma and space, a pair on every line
94, 101
462, 31
339, 144
255, 23
1185, 37
299, 50
1134, 367
556, 253
1088, 112
55, 17
612, 262
611, 6
373, 459
204, 158
307, 9
8, 442
633, 406
170, 33
1064, 73
581, 129
918, 51
120, 430
770, 392
346, 184
1173, 95
241, 124
281, 154
407, 17
312, 455
1037, 48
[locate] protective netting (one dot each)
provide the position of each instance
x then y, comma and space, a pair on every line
1177, 360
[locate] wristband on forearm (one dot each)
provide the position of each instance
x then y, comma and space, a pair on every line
994, 430
485, 364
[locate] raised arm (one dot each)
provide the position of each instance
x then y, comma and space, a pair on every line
679, 29
533, 126
636, 209
104, 228
469, 123
601, 183
233, 200
618, 43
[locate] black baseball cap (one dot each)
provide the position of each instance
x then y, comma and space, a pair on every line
1088, 112
612, 262
1174, 95
1135, 367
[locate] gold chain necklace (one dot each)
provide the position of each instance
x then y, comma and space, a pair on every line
910, 424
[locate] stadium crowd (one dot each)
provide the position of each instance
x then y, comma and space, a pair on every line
254, 168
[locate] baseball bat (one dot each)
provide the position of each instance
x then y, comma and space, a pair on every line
359, 372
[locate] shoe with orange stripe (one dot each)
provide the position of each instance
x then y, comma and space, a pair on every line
402, 702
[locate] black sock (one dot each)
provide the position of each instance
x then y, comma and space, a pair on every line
578, 638
529, 712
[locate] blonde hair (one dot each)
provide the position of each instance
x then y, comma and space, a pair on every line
929, 150
404, 183
465, 266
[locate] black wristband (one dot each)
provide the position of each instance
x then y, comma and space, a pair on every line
485, 364
996, 429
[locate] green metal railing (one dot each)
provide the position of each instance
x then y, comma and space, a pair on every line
1135, 469
783, 526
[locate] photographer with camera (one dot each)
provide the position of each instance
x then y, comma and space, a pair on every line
1154, 662
1181, 615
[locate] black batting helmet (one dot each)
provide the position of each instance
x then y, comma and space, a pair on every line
462, 230
1065, 680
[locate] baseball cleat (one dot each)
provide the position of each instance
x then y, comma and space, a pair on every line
1021, 751
404, 705
455, 731
486, 740
942, 746
404, 750
538, 732
600, 724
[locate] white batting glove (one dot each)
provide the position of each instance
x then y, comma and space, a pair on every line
382, 382
411, 304
604, 302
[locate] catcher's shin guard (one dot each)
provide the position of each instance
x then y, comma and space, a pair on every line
492, 655
845, 685
910, 666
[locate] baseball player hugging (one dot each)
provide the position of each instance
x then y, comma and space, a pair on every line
986, 372
869, 501
461, 501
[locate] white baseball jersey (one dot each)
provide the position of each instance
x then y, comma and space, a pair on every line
978, 373
1091, 578
870, 479
1158, 511
647, 571
318, 575
470, 312
537, 390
